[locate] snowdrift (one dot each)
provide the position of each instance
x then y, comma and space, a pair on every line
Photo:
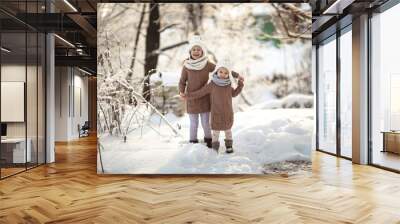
261, 136
290, 101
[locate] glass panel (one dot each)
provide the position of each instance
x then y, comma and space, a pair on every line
346, 94
327, 96
32, 89
386, 89
314, 85
31, 99
41, 99
23, 87
13, 86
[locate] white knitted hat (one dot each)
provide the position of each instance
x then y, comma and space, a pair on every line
223, 63
196, 41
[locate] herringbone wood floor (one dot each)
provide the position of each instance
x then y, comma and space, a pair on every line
70, 191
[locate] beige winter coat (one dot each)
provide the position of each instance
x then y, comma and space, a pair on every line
221, 103
193, 80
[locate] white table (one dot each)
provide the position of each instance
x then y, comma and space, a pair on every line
18, 151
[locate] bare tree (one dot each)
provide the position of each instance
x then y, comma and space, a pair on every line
135, 47
152, 44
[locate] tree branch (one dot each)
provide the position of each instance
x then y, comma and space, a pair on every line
296, 10
159, 51
285, 27
290, 36
168, 27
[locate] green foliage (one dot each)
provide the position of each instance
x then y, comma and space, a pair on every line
268, 27
267, 31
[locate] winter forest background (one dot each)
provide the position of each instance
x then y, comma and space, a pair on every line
142, 124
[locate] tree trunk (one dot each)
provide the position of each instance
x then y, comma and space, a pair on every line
152, 44
195, 11
138, 29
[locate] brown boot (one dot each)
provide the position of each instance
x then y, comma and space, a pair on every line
208, 142
215, 146
228, 145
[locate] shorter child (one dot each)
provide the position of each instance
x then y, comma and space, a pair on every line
221, 94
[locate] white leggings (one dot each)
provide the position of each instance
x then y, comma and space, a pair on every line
194, 124
215, 135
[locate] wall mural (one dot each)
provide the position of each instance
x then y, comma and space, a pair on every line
204, 88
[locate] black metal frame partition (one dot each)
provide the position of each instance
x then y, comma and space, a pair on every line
29, 29
337, 34
389, 4
382, 8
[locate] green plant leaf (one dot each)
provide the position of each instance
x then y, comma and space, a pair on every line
268, 27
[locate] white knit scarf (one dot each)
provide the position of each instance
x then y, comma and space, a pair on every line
196, 64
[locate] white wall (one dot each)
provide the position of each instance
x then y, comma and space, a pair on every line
33, 126
62, 81
70, 83
79, 117
16, 73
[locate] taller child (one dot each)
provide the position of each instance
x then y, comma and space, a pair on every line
194, 76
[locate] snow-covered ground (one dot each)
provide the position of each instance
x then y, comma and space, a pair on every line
260, 136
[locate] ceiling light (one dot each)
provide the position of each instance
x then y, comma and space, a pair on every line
79, 51
70, 5
64, 40
329, 9
337, 7
5, 50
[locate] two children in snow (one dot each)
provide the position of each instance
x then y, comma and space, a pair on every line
205, 97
